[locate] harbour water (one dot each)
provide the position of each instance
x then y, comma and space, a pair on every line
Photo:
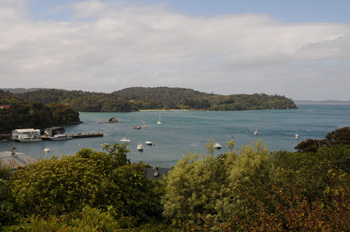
189, 131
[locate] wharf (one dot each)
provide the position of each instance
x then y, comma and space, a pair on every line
87, 135
77, 136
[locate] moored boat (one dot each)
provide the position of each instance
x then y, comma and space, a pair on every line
126, 140
140, 147
60, 137
217, 145
159, 122
148, 143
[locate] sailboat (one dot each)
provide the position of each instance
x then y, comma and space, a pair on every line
256, 132
159, 122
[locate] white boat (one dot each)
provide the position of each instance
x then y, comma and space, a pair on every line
126, 140
25, 139
60, 137
217, 145
148, 143
140, 147
297, 136
159, 122
256, 132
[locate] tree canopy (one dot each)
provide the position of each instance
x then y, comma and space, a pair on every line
142, 98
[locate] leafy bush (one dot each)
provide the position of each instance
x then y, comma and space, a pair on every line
89, 178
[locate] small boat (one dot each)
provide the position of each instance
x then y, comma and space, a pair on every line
148, 143
144, 125
159, 122
60, 137
140, 147
256, 132
297, 136
126, 140
137, 127
47, 149
217, 145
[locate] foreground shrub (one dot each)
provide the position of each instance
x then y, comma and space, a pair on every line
216, 186
7, 208
100, 180
89, 219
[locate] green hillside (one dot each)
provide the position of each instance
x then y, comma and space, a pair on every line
157, 98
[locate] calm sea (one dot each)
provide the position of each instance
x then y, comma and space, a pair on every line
188, 131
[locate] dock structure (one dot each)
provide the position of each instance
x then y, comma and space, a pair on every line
86, 135
77, 136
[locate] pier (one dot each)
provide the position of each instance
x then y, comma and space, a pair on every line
86, 135
77, 136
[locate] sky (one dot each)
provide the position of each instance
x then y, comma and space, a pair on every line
299, 49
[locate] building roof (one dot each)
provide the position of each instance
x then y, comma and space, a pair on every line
15, 161
25, 130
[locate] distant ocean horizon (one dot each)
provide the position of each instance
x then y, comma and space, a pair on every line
189, 131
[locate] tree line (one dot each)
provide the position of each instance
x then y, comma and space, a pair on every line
245, 189
26, 114
142, 98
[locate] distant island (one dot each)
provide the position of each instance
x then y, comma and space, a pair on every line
157, 98
325, 102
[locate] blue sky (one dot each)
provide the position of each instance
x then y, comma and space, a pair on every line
300, 49
284, 10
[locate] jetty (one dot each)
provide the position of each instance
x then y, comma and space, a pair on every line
86, 135
77, 136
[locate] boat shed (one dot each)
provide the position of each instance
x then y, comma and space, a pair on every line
14, 159
54, 131
27, 133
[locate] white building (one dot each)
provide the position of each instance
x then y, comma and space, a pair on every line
19, 134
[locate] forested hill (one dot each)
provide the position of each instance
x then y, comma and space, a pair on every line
158, 98
158, 93
15, 112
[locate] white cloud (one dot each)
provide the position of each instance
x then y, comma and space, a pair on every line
108, 46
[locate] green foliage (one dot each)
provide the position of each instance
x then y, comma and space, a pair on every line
249, 102
206, 193
292, 211
59, 186
337, 137
192, 187
246, 171
89, 178
138, 98
23, 114
5, 172
302, 171
7, 208
89, 219
216, 186
8, 213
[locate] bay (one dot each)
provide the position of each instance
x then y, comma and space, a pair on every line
189, 131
